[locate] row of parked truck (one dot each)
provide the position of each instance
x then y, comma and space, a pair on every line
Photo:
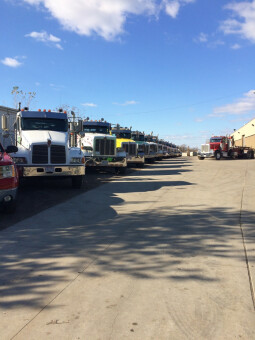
46, 143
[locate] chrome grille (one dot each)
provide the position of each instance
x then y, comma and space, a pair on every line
105, 146
57, 154
153, 148
205, 148
132, 149
141, 148
146, 149
40, 154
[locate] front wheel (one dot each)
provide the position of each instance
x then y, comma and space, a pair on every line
121, 170
10, 207
217, 155
77, 181
250, 154
201, 158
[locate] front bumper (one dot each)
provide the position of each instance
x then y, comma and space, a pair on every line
159, 155
135, 160
150, 156
206, 155
111, 162
52, 170
8, 192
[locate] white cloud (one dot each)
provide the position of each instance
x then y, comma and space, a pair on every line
105, 18
172, 7
126, 103
241, 106
46, 38
11, 62
89, 104
242, 22
236, 47
57, 87
203, 38
216, 43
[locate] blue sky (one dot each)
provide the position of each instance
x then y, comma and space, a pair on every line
183, 69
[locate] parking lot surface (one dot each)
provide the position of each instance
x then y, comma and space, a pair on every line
166, 252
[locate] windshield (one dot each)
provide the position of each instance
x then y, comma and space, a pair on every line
215, 140
60, 125
139, 138
96, 129
119, 134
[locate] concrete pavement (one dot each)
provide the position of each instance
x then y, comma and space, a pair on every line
155, 255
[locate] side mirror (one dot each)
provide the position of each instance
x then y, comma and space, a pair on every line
79, 126
11, 149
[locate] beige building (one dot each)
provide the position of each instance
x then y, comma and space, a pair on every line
245, 136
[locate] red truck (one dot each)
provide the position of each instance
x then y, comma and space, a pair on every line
224, 147
9, 179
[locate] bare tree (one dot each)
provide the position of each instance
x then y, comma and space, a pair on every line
24, 98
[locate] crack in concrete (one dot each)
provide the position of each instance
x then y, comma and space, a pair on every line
244, 245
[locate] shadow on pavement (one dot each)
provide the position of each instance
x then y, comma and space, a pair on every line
137, 244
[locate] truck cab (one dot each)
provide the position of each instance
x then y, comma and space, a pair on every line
43, 145
153, 149
143, 147
99, 146
125, 143
9, 179
164, 148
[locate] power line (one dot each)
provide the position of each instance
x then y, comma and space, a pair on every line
183, 106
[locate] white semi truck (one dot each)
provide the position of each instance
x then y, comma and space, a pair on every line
99, 147
43, 145
153, 149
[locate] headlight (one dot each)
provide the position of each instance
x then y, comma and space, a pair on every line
76, 160
19, 160
7, 171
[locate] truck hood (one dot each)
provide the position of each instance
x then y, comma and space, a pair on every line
89, 138
37, 136
124, 140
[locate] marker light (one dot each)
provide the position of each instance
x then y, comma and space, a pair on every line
44, 110
64, 111
49, 110
39, 110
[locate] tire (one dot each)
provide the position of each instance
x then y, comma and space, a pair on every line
10, 208
217, 155
77, 182
201, 158
250, 154
121, 171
